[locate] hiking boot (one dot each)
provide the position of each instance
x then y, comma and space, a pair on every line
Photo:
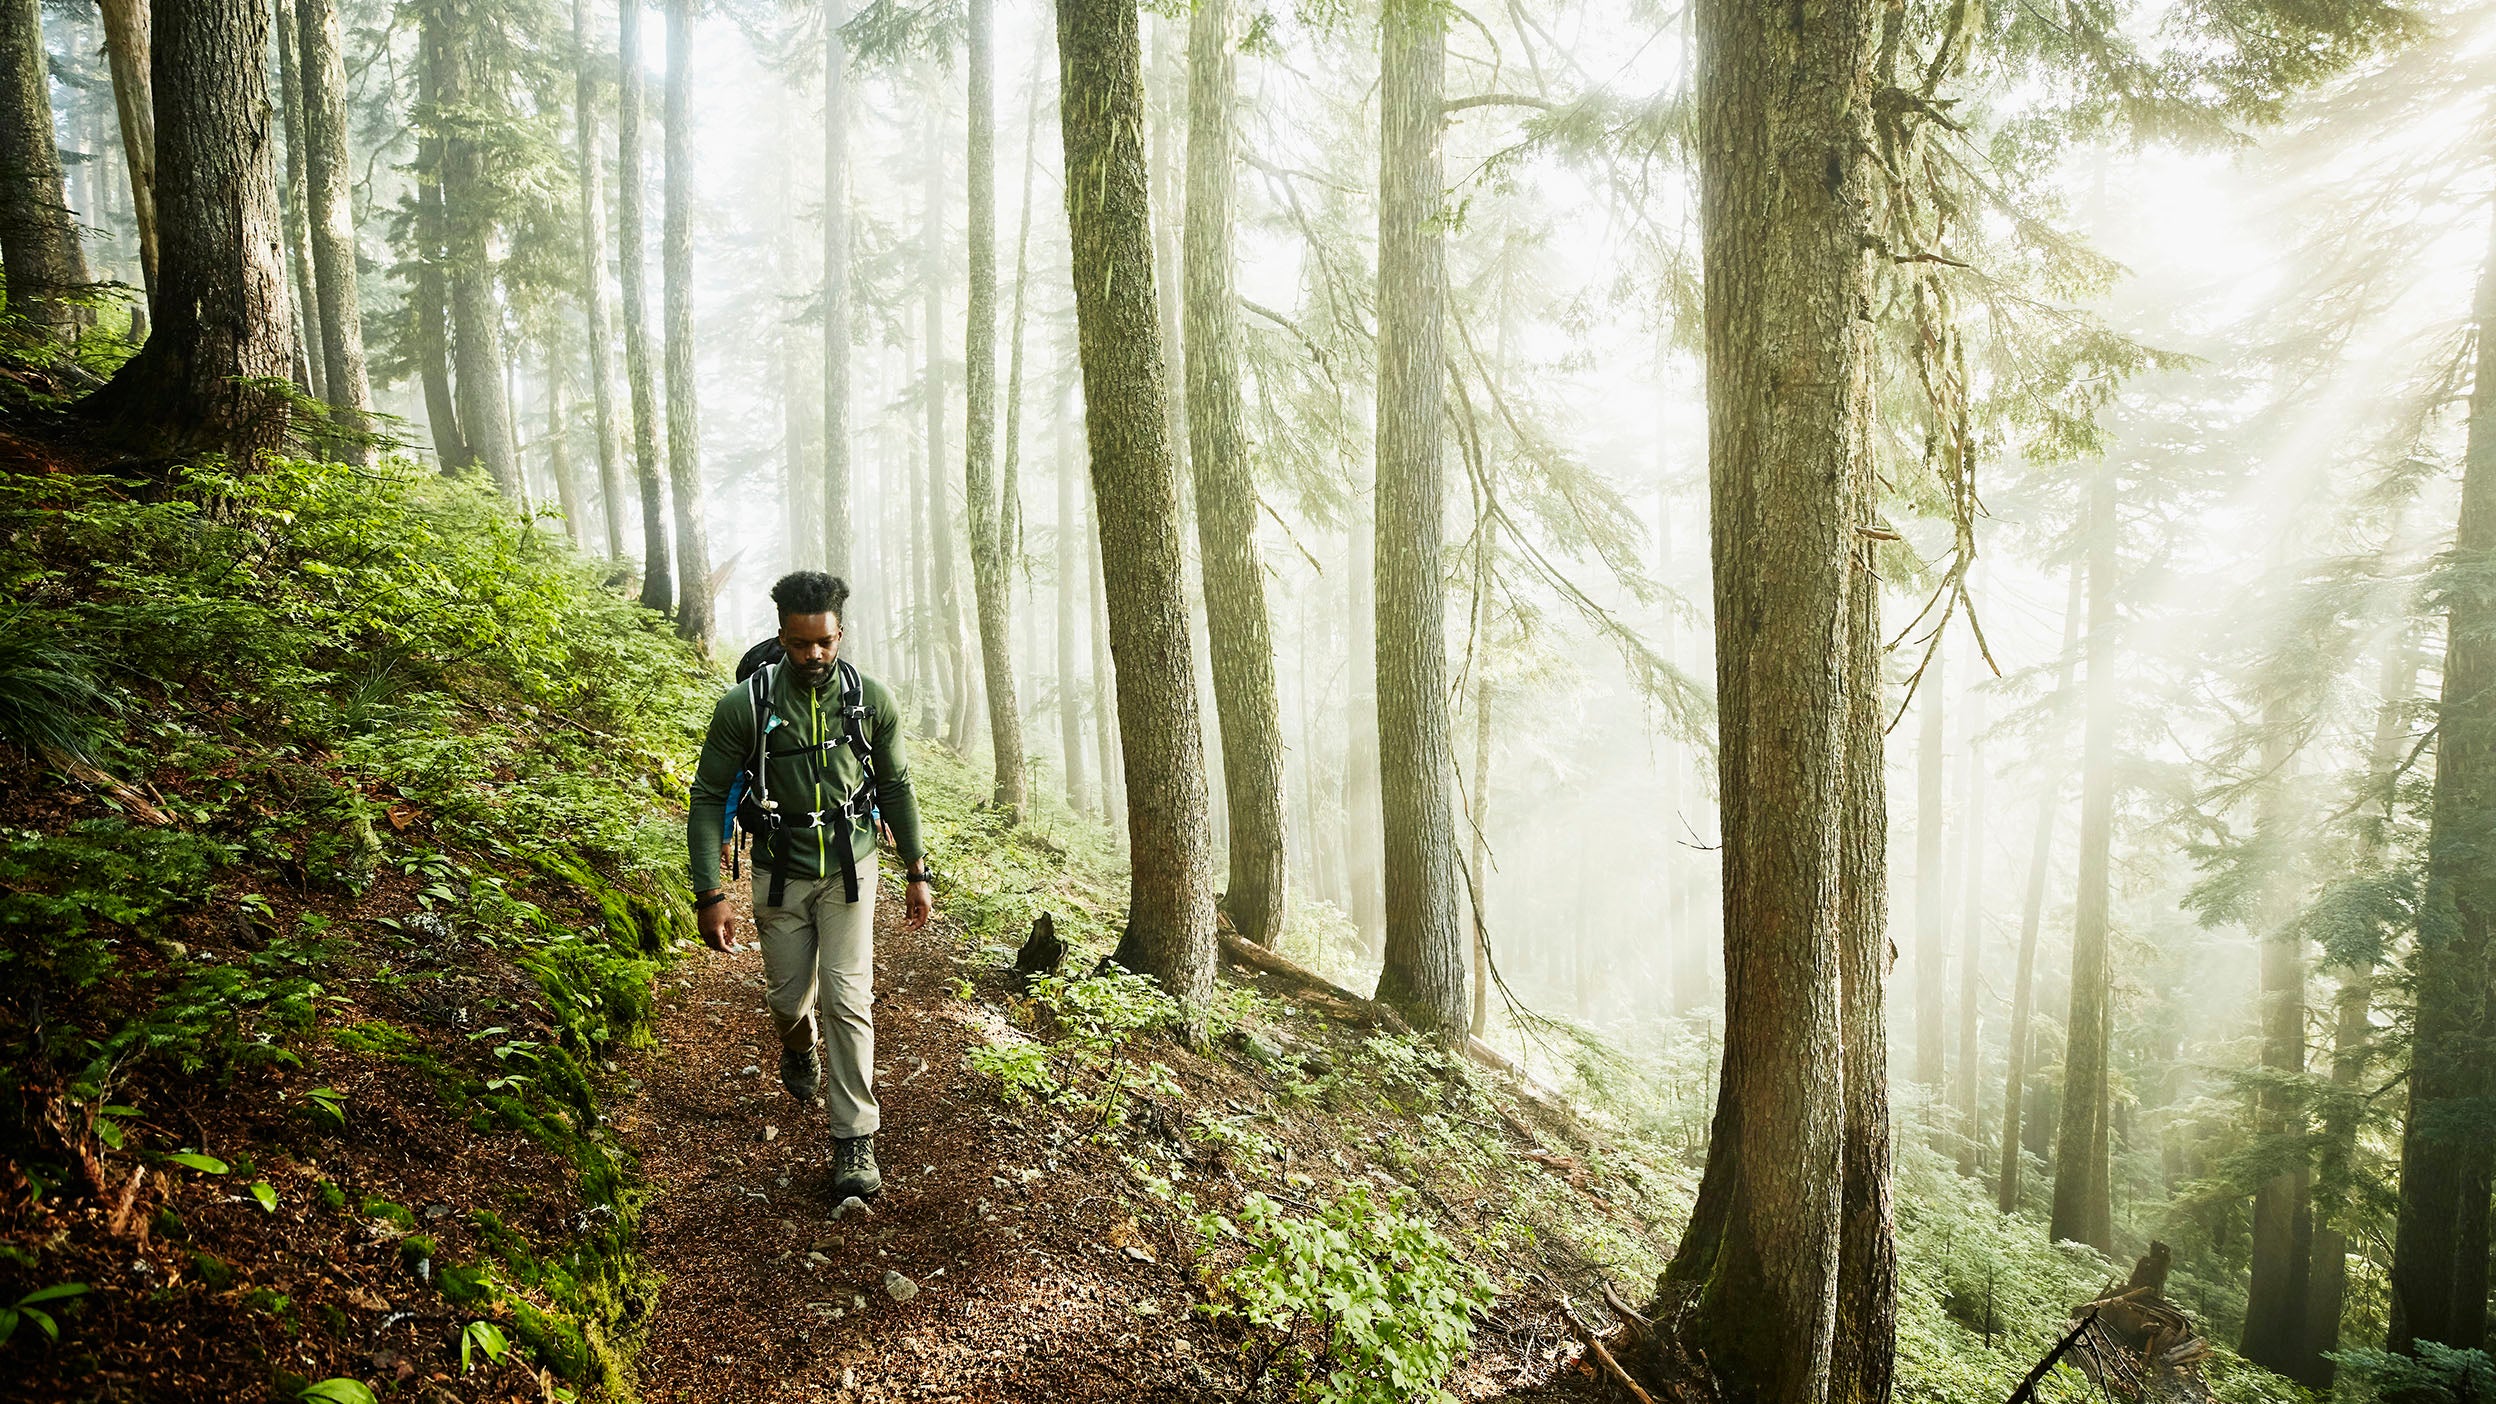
798, 1075
853, 1167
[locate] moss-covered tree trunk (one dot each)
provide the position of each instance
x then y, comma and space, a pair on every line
598, 310
1169, 932
991, 586
2083, 1192
2031, 919
1238, 632
125, 50
219, 307
1424, 974
1784, 140
658, 589
329, 206
2448, 1142
684, 428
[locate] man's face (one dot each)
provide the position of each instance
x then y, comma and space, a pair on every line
812, 642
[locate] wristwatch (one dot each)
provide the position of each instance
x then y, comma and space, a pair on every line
923, 875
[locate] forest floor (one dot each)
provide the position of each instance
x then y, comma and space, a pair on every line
1041, 1269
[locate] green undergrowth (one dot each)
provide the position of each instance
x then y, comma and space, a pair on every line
1264, 1143
314, 768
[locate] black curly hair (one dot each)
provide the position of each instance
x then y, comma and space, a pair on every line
809, 592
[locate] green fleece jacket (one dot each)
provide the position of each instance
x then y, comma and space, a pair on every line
807, 774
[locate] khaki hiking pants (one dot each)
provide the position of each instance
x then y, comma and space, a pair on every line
819, 953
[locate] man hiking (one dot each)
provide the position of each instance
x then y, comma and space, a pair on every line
805, 755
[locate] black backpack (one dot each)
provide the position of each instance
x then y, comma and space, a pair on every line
749, 795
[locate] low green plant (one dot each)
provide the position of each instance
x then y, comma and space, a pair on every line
337, 1391
1021, 1069
482, 1338
1387, 1300
31, 1308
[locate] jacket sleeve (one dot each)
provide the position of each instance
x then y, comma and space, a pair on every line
724, 749
893, 795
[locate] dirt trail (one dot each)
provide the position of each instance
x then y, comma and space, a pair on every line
1020, 1291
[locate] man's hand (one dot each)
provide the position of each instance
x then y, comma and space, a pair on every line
718, 925
920, 906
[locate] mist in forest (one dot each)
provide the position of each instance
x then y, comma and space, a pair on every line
2141, 351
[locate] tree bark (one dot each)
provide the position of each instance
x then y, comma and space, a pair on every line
991, 586
46, 268
2031, 918
2448, 1149
126, 47
1070, 544
470, 202
684, 431
2083, 1193
313, 374
1863, 1348
1238, 632
1423, 978
330, 206
1964, 1084
219, 307
1784, 141
1104, 669
837, 557
596, 308
433, 222
1169, 933
658, 590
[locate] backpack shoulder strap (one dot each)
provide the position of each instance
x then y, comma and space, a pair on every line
758, 690
853, 722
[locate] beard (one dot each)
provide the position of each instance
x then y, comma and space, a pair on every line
813, 675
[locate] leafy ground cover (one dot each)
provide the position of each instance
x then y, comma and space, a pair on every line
330, 838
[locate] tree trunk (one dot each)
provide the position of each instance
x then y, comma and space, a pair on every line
684, 431
329, 203
313, 374
559, 447
1964, 1084
46, 269
1238, 633
1932, 920
2083, 1192
658, 590
2031, 918
837, 531
125, 47
219, 307
1784, 139
1362, 824
1069, 572
801, 389
2282, 1219
469, 199
944, 594
992, 586
1424, 975
433, 225
2448, 1148
1104, 670
595, 306
931, 688
1863, 1349
1169, 932
2352, 1048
